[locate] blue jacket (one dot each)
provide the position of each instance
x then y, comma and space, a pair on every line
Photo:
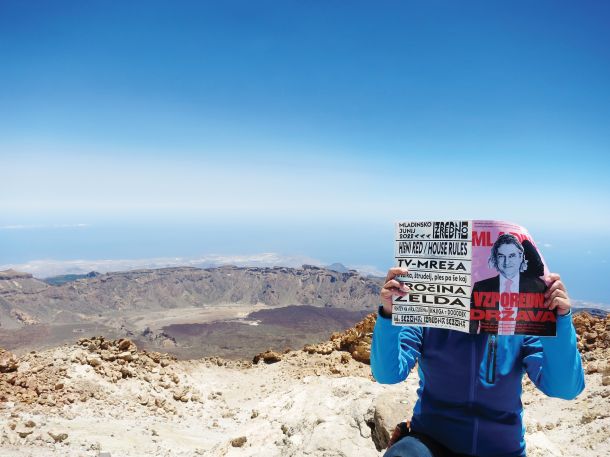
469, 396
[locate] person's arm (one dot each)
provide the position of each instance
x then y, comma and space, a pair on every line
553, 364
394, 349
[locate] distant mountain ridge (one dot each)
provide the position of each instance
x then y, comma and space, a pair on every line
23, 297
596, 312
25, 300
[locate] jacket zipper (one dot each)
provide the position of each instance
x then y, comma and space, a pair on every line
492, 347
475, 428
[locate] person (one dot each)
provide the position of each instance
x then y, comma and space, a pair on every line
508, 258
461, 409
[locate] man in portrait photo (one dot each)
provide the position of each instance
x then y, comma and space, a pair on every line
518, 273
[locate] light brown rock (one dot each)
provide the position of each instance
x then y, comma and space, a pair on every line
239, 442
388, 412
58, 437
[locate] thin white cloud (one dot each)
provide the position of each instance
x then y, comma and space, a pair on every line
41, 226
49, 267
368, 270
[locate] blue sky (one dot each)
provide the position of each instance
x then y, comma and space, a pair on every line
305, 128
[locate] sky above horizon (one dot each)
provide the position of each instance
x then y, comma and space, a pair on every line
151, 129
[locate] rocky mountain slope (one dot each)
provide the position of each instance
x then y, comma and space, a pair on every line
107, 396
25, 300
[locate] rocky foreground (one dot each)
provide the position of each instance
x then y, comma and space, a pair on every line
101, 397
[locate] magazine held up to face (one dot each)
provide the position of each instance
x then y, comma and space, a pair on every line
472, 276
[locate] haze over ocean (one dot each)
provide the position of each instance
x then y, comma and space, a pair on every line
147, 130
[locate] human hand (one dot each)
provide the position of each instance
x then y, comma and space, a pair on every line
556, 295
393, 287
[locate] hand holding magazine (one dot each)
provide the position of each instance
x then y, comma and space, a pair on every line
472, 276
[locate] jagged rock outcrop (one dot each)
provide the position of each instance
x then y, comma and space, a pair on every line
593, 332
34, 378
158, 338
8, 362
356, 341
267, 357
23, 317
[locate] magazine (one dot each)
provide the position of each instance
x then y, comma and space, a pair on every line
473, 277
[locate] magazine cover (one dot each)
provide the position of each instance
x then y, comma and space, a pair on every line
472, 276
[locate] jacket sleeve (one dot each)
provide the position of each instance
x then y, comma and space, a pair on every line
394, 350
553, 363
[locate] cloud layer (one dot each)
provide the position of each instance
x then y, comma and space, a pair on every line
47, 268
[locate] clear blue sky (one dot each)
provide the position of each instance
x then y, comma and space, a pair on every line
179, 128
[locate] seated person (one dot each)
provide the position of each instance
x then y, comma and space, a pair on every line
469, 404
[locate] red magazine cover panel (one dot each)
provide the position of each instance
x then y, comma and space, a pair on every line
508, 282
